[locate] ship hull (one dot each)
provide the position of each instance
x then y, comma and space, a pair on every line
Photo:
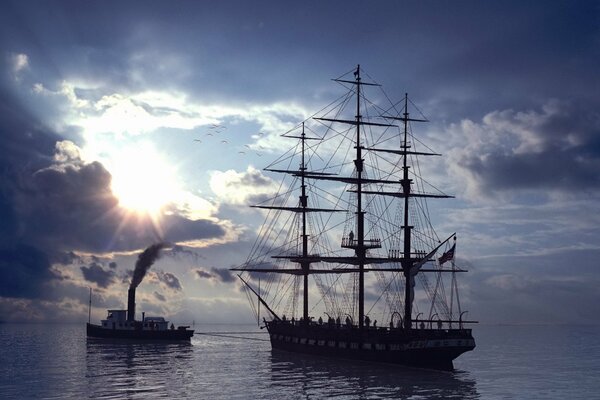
97, 331
424, 348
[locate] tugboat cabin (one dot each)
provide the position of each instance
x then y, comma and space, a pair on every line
117, 319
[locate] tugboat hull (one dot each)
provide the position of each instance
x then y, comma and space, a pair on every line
97, 331
426, 348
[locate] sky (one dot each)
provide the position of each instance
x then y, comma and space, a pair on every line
124, 124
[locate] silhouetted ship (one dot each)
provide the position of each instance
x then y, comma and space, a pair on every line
121, 324
359, 184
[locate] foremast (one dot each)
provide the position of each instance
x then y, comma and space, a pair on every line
305, 259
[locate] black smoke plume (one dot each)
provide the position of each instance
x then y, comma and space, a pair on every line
144, 262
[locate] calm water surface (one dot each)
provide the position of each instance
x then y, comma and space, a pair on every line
510, 362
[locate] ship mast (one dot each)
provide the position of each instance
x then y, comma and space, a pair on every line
405, 182
360, 215
304, 264
411, 264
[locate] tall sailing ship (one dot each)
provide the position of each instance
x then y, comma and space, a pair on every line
352, 214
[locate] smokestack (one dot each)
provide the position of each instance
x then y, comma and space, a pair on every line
131, 304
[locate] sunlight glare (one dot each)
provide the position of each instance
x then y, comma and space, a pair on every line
143, 181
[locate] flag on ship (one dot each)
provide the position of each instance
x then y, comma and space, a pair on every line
447, 256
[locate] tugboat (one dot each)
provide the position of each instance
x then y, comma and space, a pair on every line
359, 184
121, 324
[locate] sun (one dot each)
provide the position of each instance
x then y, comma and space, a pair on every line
142, 180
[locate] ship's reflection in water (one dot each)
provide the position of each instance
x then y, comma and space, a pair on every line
316, 377
227, 368
118, 369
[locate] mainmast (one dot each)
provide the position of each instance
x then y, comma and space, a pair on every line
304, 259
406, 263
360, 215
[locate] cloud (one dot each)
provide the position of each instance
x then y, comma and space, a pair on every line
203, 274
98, 275
55, 206
159, 297
169, 280
24, 270
19, 62
554, 149
216, 274
70, 206
102, 110
242, 188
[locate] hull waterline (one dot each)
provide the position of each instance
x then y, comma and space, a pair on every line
427, 348
97, 331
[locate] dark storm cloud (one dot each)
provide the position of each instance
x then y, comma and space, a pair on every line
23, 271
489, 55
98, 275
557, 148
509, 48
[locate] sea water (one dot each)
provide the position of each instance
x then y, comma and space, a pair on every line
509, 362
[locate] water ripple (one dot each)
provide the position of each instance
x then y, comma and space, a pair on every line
57, 362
